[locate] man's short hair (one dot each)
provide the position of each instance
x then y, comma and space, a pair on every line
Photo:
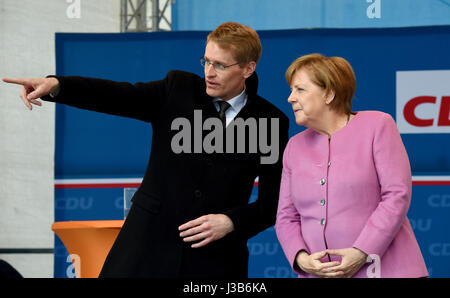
243, 40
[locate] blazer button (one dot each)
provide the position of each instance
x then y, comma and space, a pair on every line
322, 181
322, 202
322, 221
198, 194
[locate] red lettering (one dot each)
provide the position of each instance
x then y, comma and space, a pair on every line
444, 113
410, 106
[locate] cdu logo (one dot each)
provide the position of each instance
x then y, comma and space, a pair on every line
423, 101
439, 200
74, 203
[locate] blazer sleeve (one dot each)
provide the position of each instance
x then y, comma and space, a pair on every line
394, 176
288, 220
140, 101
255, 217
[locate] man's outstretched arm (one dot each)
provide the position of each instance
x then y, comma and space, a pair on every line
141, 101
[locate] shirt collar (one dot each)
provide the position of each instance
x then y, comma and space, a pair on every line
236, 102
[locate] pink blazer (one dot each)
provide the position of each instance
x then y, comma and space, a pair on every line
351, 191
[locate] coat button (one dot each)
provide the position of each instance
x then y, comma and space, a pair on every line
322, 181
322, 202
198, 194
322, 221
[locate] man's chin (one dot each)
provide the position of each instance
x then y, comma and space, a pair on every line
212, 92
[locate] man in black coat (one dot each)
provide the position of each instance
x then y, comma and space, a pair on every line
212, 137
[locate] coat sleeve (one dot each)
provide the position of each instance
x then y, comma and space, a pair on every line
288, 220
253, 218
394, 176
141, 101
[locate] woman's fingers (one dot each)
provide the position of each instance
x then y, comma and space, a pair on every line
334, 274
329, 265
318, 255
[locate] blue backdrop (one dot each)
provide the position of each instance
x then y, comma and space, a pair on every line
91, 145
296, 14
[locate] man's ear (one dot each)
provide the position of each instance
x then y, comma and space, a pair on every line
249, 69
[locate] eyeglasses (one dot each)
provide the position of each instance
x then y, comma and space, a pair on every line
218, 67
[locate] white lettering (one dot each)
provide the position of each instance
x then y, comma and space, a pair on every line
74, 9
374, 9
374, 270
74, 269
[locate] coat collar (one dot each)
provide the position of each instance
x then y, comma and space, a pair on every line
252, 84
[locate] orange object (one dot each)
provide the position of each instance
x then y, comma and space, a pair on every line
88, 243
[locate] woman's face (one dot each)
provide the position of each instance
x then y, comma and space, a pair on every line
307, 99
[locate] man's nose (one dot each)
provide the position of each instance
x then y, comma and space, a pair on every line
209, 70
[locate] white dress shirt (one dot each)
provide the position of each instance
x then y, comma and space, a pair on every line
237, 103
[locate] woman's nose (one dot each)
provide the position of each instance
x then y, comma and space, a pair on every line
291, 98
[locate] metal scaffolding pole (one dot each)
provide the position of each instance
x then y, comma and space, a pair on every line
136, 17
155, 15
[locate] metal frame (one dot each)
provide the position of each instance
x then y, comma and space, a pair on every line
135, 15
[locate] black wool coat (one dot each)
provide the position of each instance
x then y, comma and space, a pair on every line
179, 187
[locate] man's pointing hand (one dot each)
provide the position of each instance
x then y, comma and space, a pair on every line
32, 89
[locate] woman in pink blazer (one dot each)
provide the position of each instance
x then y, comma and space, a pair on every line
346, 182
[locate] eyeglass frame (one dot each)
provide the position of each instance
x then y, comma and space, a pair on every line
204, 62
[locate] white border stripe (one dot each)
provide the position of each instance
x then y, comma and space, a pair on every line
139, 180
430, 178
98, 181
103, 181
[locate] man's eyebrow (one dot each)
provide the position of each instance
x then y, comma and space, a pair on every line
218, 62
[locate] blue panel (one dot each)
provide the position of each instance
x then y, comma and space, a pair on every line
93, 145
376, 55
429, 218
97, 145
89, 204
428, 215
299, 14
